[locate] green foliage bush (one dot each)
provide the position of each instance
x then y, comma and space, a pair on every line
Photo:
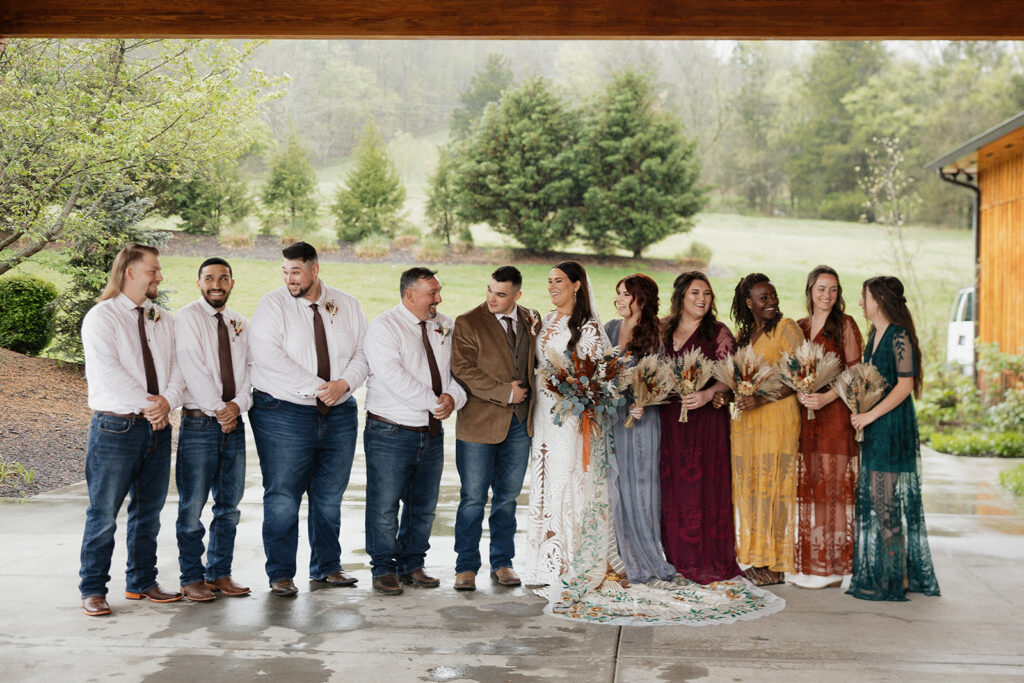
26, 313
373, 247
430, 250
1008, 415
986, 443
1012, 478
699, 251
842, 206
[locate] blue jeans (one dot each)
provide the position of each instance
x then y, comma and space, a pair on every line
302, 452
124, 456
208, 460
401, 465
483, 467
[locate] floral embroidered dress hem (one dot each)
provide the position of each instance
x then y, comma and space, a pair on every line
572, 545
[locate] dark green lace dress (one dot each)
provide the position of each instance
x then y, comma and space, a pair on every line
891, 554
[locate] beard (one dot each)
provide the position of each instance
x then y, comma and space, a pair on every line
302, 291
214, 304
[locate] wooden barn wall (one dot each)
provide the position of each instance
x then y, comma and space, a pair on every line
1001, 312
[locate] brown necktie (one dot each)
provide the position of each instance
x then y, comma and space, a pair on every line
323, 358
510, 332
152, 387
435, 378
227, 369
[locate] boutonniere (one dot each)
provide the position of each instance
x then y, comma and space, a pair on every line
443, 330
236, 325
332, 308
153, 314
531, 320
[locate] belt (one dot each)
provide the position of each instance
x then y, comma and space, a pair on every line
127, 416
378, 418
194, 412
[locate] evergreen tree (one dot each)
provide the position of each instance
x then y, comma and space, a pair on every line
641, 172
204, 200
442, 197
518, 172
372, 197
486, 87
291, 187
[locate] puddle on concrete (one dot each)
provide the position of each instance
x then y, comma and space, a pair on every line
184, 665
475, 673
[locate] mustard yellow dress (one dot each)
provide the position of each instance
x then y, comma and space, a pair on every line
765, 446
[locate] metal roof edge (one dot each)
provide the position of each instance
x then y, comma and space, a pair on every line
978, 141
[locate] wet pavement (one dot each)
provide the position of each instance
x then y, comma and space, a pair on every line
972, 632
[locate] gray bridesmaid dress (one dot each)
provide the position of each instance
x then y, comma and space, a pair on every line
634, 483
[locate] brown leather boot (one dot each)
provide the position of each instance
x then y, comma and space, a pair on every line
465, 581
155, 594
95, 606
197, 591
228, 587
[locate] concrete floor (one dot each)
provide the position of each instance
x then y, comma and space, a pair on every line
974, 631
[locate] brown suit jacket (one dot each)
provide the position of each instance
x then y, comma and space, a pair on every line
483, 364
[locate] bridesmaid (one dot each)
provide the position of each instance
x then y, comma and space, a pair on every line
696, 485
827, 469
633, 480
765, 441
891, 555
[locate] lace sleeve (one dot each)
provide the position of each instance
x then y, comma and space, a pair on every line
725, 343
590, 344
853, 344
903, 352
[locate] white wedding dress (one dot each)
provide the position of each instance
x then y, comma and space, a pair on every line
571, 546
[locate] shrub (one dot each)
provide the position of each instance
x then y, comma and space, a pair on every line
26, 313
235, 236
1008, 415
405, 241
461, 248
1012, 478
323, 240
979, 443
13, 476
696, 255
429, 250
373, 247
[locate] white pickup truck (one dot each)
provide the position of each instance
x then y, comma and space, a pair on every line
960, 338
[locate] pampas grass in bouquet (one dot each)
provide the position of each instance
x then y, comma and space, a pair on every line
809, 368
860, 388
748, 374
690, 372
650, 384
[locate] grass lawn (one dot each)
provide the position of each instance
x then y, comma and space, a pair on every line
785, 249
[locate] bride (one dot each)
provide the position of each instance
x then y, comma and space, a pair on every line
571, 544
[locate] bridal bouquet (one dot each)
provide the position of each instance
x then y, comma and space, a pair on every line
690, 372
809, 368
860, 388
650, 383
586, 388
748, 374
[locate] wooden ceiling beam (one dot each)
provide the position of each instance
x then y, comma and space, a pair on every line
605, 19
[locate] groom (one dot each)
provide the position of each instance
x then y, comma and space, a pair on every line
493, 358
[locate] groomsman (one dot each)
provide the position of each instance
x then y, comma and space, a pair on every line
307, 353
410, 391
134, 383
493, 358
212, 348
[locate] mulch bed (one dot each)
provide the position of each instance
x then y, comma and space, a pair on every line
268, 248
44, 421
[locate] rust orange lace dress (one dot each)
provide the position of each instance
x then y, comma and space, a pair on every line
827, 477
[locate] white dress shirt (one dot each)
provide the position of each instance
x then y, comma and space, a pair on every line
198, 351
399, 387
513, 316
113, 356
283, 349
